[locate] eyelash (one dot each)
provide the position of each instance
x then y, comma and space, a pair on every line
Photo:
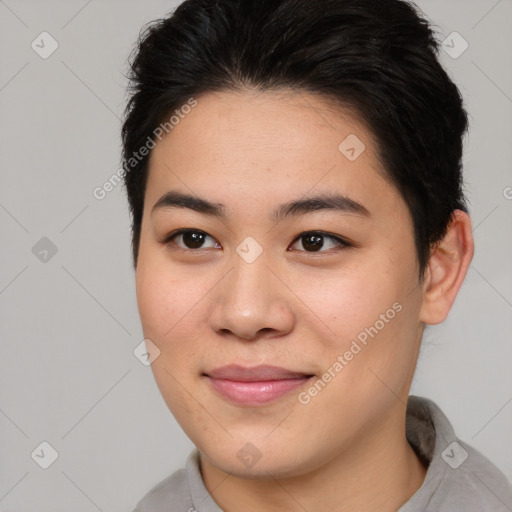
344, 244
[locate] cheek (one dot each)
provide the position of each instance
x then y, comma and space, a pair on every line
152, 296
344, 303
375, 345
367, 318
171, 310
161, 299
165, 312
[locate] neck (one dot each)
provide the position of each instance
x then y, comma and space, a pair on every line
378, 471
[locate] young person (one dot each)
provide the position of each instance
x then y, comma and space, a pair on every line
293, 170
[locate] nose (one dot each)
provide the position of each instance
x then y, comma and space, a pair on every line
251, 302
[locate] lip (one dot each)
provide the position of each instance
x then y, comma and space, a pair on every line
256, 385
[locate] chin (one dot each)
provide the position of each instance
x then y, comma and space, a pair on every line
250, 462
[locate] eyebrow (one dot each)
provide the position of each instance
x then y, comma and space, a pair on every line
303, 206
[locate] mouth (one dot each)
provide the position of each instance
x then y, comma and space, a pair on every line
255, 386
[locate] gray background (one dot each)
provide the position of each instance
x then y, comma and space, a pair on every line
69, 325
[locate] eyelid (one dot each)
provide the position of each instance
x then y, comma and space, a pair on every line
168, 239
343, 243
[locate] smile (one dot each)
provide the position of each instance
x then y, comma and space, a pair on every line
254, 386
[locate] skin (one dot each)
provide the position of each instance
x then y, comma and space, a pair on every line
346, 448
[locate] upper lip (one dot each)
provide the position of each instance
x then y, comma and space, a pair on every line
254, 374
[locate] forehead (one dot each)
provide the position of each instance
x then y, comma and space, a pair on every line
272, 123
253, 146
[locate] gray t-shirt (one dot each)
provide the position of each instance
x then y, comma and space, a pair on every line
458, 479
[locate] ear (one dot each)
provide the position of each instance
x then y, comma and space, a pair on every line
447, 267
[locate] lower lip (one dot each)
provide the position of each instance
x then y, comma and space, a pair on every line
254, 393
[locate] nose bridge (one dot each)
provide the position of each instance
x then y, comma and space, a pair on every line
251, 298
249, 289
250, 279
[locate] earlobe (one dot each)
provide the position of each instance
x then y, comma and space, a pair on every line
447, 267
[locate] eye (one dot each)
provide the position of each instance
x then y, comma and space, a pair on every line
190, 239
313, 241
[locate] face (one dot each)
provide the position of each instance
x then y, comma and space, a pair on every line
325, 290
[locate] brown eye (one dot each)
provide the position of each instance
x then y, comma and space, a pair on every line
190, 239
315, 241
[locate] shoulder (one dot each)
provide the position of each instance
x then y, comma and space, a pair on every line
475, 484
459, 477
172, 494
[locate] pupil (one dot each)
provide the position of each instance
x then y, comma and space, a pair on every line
193, 239
316, 244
